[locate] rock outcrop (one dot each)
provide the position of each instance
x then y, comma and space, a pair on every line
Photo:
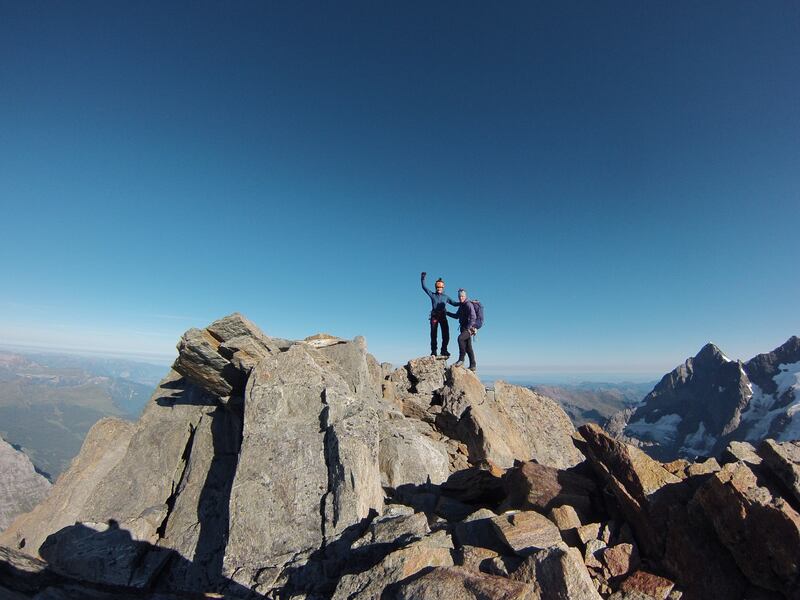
21, 487
266, 468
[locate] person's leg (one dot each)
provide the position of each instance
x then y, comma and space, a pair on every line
462, 348
445, 336
470, 353
433, 336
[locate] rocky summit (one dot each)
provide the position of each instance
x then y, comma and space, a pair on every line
281, 469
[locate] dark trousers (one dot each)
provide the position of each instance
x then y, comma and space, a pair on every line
436, 323
465, 347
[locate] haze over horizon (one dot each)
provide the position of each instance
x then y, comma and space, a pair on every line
617, 184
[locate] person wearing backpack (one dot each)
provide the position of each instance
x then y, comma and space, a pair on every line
470, 319
438, 317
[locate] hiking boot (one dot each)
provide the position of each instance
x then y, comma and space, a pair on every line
445, 354
473, 368
459, 364
433, 353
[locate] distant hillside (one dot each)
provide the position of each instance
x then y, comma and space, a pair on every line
594, 402
48, 402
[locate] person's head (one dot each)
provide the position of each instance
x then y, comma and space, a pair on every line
439, 285
462, 295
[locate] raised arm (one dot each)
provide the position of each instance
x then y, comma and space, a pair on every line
424, 287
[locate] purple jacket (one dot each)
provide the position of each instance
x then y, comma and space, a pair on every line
466, 316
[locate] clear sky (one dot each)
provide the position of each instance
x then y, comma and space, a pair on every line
618, 183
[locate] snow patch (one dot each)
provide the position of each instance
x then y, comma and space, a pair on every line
788, 378
664, 430
699, 443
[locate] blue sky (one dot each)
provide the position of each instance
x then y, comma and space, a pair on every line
616, 182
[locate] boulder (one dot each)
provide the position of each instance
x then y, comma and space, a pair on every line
534, 486
526, 532
567, 520
761, 530
619, 559
220, 357
458, 583
783, 459
742, 451
557, 573
425, 374
433, 550
408, 455
647, 583
511, 424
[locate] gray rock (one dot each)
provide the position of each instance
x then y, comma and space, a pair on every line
557, 573
526, 532
426, 374
742, 451
395, 530
21, 487
308, 460
783, 459
408, 456
220, 357
458, 583
433, 550
517, 424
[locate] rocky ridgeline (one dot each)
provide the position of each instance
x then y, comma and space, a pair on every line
278, 469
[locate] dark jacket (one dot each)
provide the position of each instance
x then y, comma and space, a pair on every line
466, 316
438, 301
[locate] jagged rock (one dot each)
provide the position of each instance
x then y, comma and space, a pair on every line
426, 374
475, 558
457, 583
635, 480
512, 424
557, 573
431, 551
309, 460
742, 451
783, 459
591, 554
647, 583
677, 467
21, 487
526, 532
219, 357
761, 531
539, 487
103, 447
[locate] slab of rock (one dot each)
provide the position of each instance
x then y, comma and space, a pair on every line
557, 573
458, 583
103, 447
479, 530
308, 461
480, 484
761, 530
531, 485
526, 532
647, 583
742, 451
220, 357
21, 487
587, 533
433, 550
475, 558
619, 559
568, 522
783, 459
703, 468
408, 456
394, 530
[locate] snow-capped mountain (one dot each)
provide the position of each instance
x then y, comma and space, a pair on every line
709, 400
